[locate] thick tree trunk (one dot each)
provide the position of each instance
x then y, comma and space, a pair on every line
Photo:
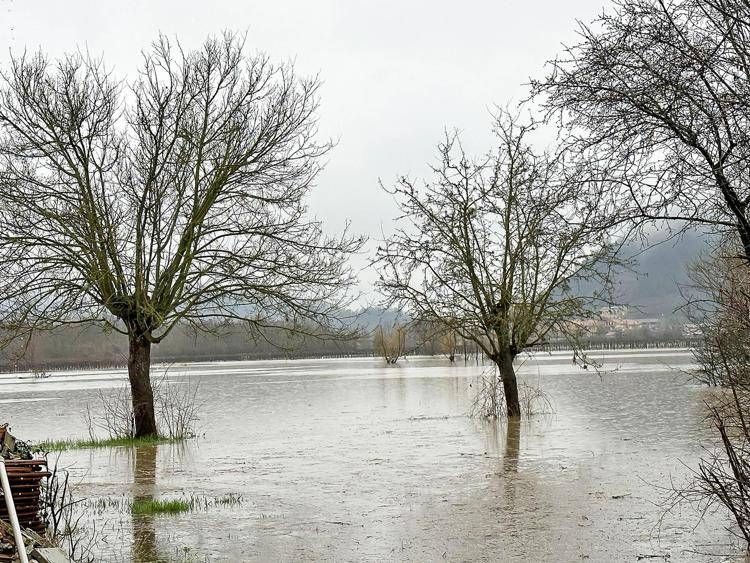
139, 372
510, 384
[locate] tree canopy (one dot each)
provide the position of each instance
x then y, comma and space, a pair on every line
178, 196
663, 88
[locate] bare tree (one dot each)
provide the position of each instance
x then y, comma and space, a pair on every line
448, 343
494, 249
178, 197
664, 87
720, 304
390, 345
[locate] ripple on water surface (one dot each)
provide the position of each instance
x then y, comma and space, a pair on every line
351, 460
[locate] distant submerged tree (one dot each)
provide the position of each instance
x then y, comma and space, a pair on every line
390, 344
493, 249
178, 197
448, 344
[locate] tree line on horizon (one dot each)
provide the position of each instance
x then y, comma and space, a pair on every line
82, 347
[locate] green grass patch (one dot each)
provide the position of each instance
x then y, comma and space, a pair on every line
155, 506
195, 503
88, 443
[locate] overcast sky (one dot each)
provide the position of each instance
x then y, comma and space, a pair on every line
395, 73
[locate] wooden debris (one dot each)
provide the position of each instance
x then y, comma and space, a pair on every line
11, 447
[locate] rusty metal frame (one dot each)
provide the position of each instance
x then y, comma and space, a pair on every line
20, 545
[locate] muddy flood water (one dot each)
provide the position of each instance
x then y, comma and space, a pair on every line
350, 460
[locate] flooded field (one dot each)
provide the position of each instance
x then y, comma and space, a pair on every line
350, 460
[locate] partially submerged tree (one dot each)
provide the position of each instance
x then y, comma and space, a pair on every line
434, 339
390, 344
448, 343
494, 249
663, 87
176, 198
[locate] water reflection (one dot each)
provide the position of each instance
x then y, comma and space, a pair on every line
502, 441
144, 485
351, 460
512, 445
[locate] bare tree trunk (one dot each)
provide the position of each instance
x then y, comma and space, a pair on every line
139, 367
510, 384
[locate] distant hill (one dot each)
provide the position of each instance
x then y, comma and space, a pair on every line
659, 271
650, 289
372, 317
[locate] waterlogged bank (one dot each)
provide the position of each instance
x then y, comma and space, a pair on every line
352, 460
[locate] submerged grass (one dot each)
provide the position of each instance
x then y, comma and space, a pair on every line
159, 506
88, 443
192, 503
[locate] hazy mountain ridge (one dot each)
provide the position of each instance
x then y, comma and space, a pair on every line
652, 288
